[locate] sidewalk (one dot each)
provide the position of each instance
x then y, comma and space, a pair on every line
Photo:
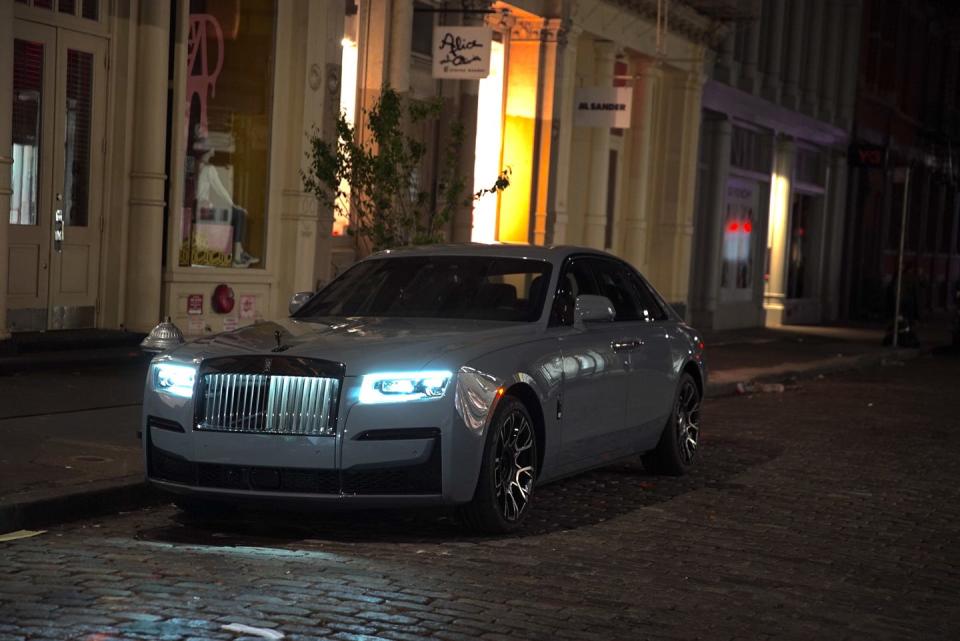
68, 436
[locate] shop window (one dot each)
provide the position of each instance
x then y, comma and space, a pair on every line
800, 247
810, 169
740, 217
751, 150
27, 89
422, 37
227, 125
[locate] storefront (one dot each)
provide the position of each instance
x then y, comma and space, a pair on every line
57, 129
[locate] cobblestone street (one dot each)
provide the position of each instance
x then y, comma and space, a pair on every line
831, 511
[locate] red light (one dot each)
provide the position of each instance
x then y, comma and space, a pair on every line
747, 227
702, 345
733, 227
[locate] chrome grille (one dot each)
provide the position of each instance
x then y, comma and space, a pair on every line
268, 404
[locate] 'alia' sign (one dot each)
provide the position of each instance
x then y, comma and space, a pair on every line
869, 156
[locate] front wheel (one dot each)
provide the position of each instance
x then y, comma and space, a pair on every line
508, 472
677, 450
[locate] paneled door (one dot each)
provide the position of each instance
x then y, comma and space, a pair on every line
58, 115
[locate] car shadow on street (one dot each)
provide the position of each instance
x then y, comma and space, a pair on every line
579, 501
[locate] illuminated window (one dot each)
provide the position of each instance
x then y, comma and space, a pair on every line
486, 165
227, 130
348, 107
739, 219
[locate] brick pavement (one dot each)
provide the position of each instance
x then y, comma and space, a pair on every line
827, 512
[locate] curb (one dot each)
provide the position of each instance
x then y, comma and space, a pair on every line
96, 499
809, 370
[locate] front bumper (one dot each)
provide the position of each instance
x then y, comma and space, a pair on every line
414, 453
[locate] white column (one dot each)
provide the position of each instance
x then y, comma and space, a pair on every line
831, 63
596, 219
811, 64
565, 79
6, 144
774, 53
775, 294
145, 246
749, 74
851, 56
791, 80
401, 39
641, 132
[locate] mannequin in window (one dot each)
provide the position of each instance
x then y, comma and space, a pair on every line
212, 194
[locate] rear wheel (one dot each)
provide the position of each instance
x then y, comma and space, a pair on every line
677, 450
508, 472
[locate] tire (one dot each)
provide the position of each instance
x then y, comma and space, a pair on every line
502, 499
679, 443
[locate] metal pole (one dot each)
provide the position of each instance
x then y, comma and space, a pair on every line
903, 234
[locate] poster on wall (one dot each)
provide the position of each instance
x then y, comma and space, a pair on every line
195, 304
461, 52
602, 107
248, 306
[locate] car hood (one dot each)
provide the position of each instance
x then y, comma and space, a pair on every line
365, 345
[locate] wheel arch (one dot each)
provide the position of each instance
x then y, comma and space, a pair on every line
694, 370
528, 396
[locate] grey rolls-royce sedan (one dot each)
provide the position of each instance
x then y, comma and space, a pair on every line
460, 375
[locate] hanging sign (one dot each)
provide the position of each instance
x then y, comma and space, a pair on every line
603, 107
461, 52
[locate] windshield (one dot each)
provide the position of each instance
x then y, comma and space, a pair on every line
474, 287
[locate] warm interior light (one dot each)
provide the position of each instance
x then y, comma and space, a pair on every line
486, 166
348, 106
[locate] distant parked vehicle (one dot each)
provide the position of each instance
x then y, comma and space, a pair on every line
449, 375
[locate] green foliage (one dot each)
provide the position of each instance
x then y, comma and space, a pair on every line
386, 204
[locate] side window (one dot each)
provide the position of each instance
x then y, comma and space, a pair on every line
650, 309
575, 279
613, 282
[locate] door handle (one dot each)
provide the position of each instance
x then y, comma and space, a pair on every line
58, 230
624, 346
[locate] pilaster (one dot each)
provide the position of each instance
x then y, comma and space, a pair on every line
645, 90
791, 80
749, 73
147, 177
831, 63
850, 63
811, 66
774, 53
401, 39
722, 133
561, 131
596, 218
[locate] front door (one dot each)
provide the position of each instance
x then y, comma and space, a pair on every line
55, 209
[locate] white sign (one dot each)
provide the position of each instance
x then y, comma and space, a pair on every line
461, 52
603, 107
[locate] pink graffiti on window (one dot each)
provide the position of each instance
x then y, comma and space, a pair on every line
201, 81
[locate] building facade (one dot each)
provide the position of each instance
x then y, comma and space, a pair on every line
178, 189
907, 116
772, 180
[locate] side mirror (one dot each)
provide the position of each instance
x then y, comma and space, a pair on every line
594, 309
297, 301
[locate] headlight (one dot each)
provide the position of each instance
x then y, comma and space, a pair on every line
176, 380
398, 387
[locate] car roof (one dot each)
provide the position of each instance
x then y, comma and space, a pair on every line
554, 253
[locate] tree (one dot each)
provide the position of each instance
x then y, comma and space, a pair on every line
376, 183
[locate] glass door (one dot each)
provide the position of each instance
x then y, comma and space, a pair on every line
58, 124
